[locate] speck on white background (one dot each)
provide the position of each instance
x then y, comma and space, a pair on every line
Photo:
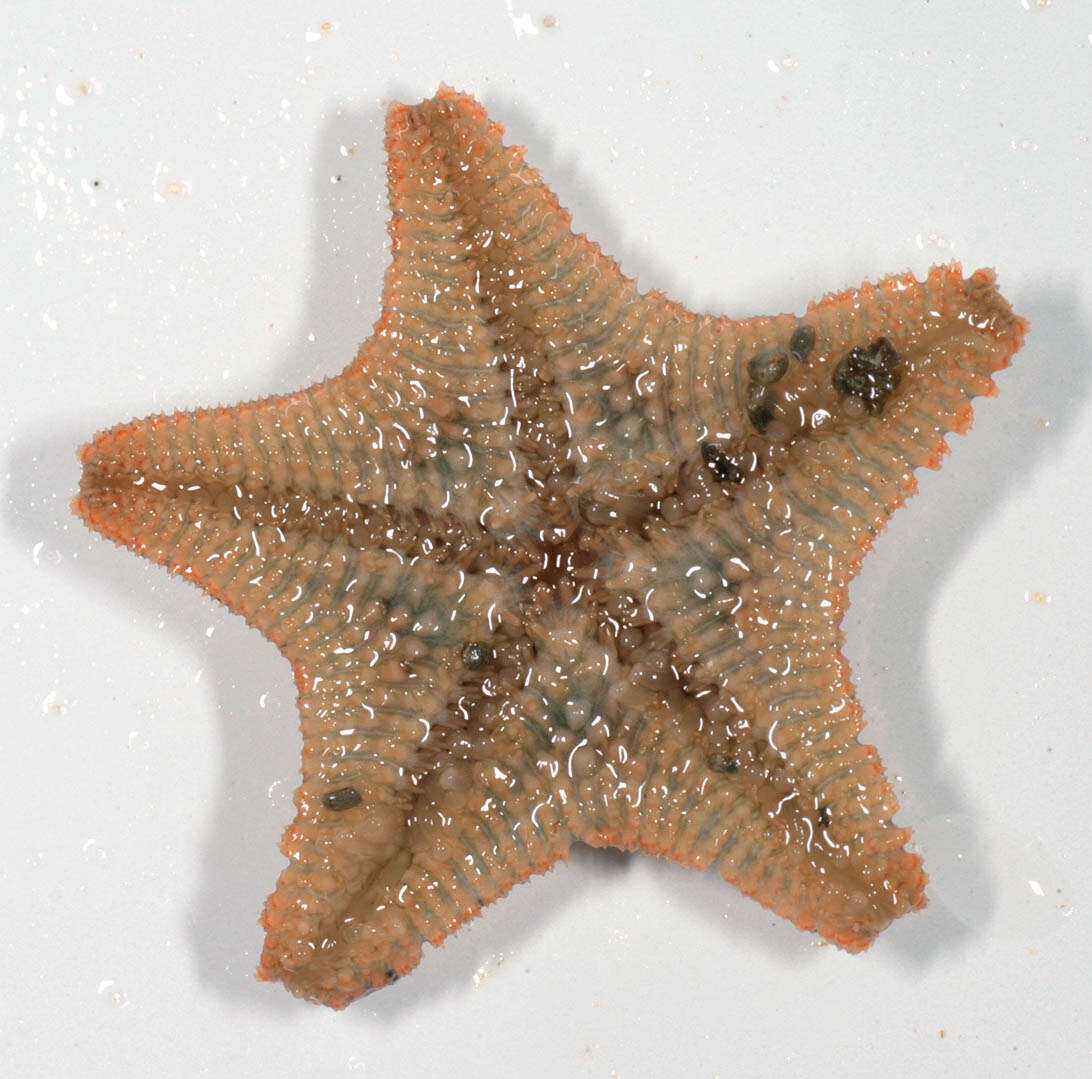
173, 237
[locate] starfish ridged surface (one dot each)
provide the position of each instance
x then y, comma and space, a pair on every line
556, 560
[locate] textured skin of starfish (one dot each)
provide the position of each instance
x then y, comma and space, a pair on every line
556, 560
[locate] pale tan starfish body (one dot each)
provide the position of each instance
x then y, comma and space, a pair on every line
554, 560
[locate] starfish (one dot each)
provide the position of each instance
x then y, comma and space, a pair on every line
555, 560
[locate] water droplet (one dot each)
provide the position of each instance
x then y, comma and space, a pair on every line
489, 968
110, 991
279, 794
521, 24
92, 851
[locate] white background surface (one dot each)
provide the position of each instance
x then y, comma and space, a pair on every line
173, 237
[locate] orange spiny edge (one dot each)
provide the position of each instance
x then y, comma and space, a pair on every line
963, 419
291, 839
848, 294
936, 458
851, 940
265, 971
896, 501
848, 938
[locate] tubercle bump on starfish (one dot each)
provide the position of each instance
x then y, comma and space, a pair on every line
556, 560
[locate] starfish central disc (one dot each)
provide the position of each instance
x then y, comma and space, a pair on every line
554, 560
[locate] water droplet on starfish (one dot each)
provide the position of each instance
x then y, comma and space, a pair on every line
476, 655
455, 777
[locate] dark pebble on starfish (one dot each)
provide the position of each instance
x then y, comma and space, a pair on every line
868, 374
723, 467
342, 798
758, 407
477, 654
721, 762
727, 470
824, 817
802, 342
768, 366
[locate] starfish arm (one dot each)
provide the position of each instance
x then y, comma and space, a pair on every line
776, 846
172, 488
543, 287
890, 369
375, 649
911, 353
337, 440
431, 363
470, 826
574, 330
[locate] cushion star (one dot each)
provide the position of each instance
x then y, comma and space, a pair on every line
555, 560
